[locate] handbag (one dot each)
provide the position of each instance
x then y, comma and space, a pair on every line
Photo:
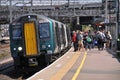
104, 40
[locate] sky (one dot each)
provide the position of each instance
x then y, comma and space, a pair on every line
48, 2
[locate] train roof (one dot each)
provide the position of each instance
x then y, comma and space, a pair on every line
32, 14
42, 17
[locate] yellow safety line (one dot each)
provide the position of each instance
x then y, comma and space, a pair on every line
59, 75
80, 67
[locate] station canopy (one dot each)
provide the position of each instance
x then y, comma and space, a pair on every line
46, 2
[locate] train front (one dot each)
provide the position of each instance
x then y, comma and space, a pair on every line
24, 42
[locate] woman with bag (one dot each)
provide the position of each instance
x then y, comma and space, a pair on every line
80, 40
109, 38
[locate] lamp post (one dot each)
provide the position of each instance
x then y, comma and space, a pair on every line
118, 18
10, 8
117, 25
106, 14
31, 6
74, 8
68, 3
51, 3
0, 2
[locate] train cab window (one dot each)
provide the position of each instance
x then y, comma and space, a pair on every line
44, 30
17, 32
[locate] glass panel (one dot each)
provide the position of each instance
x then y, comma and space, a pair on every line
44, 30
17, 33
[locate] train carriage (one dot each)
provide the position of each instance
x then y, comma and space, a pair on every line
35, 39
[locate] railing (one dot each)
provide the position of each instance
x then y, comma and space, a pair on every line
69, 12
19, 10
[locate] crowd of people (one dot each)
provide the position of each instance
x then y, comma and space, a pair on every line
89, 39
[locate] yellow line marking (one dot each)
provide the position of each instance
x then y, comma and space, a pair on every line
80, 67
59, 75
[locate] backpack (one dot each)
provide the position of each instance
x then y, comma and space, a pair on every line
100, 37
79, 37
89, 39
107, 36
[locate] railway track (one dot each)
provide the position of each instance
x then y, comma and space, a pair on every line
7, 71
6, 65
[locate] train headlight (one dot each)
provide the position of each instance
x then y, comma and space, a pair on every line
49, 46
118, 39
14, 49
28, 16
20, 48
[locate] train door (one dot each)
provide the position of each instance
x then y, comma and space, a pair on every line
30, 39
63, 35
57, 31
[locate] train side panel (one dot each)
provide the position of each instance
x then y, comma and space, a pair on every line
68, 36
46, 38
66, 39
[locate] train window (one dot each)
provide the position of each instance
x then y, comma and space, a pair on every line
17, 33
44, 30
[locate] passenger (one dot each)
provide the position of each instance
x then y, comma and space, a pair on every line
104, 38
77, 39
84, 39
109, 38
89, 32
74, 40
100, 38
80, 41
94, 42
92, 36
89, 42
2, 35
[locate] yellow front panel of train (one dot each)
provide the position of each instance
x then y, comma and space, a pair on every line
30, 39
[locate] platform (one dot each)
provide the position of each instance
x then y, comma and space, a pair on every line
82, 65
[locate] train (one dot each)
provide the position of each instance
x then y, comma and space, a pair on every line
36, 39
